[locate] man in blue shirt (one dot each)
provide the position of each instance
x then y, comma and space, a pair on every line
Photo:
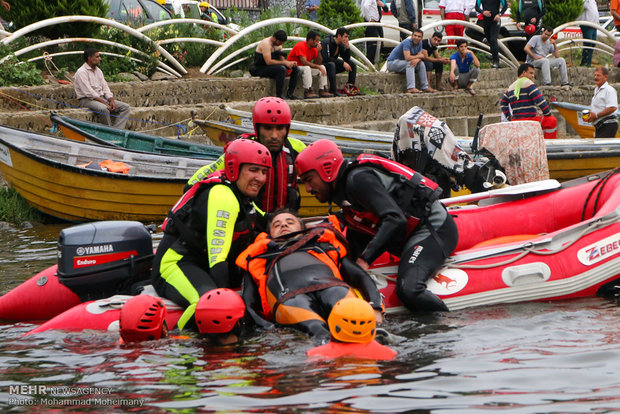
408, 57
312, 6
462, 73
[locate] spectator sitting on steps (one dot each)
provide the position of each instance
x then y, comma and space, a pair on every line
537, 48
270, 62
462, 74
336, 56
408, 57
93, 92
309, 63
432, 60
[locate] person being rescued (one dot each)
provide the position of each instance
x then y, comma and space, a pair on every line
272, 121
298, 274
208, 227
386, 207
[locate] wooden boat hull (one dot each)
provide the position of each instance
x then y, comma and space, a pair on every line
572, 113
222, 132
317, 131
85, 131
44, 171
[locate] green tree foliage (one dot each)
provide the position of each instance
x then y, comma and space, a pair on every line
558, 11
26, 12
14, 72
562, 11
337, 13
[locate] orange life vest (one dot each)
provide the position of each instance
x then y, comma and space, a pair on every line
250, 260
368, 350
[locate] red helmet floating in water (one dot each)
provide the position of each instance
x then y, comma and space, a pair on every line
352, 320
323, 156
530, 29
244, 151
142, 318
218, 311
271, 110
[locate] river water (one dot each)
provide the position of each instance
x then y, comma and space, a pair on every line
546, 357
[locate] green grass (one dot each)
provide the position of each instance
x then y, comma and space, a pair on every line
14, 209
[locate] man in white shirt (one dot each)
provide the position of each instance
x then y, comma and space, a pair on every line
537, 49
93, 92
604, 106
590, 14
454, 10
370, 12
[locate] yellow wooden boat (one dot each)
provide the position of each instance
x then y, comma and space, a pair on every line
222, 132
313, 131
45, 171
572, 113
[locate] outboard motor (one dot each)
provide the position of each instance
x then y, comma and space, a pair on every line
100, 259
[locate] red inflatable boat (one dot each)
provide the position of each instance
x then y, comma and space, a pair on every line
536, 241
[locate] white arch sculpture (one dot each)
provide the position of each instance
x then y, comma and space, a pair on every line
92, 19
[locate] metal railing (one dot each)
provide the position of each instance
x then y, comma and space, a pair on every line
227, 54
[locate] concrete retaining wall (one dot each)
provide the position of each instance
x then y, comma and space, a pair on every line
156, 103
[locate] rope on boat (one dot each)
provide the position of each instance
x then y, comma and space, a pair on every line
191, 122
47, 58
181, 130
529, 247
17, 101
601, 182
166, 126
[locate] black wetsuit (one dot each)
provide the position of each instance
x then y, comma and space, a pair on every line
197, 251
334, 57
422, 252
490, 26
277, 72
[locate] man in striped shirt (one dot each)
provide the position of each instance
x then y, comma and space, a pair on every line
521, 99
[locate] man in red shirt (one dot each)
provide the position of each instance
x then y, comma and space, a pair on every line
309, 63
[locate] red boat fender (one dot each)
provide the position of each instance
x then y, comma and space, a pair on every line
39, 298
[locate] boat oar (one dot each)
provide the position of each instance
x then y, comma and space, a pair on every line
515, 191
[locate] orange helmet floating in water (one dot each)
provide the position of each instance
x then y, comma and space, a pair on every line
352, 320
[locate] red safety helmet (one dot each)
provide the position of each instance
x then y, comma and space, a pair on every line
244, 151
530, 29
271, 110
142, 318
351, 89
323, 156
218, 311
